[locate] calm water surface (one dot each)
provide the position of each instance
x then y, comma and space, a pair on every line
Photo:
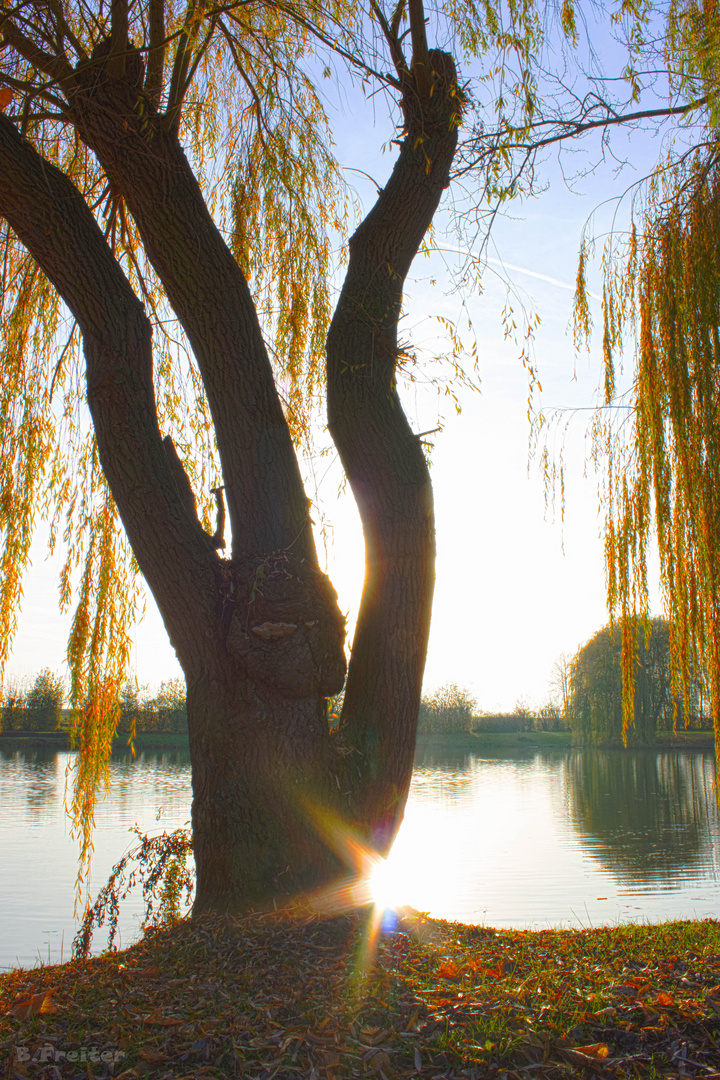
559, 838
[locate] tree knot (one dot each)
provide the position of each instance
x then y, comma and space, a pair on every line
283, 624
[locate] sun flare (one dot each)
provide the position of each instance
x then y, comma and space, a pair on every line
387, 887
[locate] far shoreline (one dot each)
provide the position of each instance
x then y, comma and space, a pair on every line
462, 741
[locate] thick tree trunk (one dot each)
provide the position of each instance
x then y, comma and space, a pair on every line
262, 768
256, 704
385, 463
260, 636
260, 639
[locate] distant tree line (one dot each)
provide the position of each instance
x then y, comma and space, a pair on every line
452, 710
586, 698
38, 706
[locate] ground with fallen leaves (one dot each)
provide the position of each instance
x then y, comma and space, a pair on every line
297, 995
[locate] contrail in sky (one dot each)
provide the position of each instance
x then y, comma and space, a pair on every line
517, 269
530, 273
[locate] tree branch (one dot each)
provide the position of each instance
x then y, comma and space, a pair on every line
64, 29
384, 460
57, 67
157, 46
420, 59
397, 18
179, 76
177, 80
51, 218
572, 128
206, 287
396, 52
118, 39
336, 47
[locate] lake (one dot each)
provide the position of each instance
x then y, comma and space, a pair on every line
543, 838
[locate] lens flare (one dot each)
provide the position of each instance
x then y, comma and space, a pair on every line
386, 885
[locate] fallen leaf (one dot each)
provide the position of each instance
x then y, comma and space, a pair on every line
665, 999
373, 1036
448, 970
503, 967
156, 1017
151, 1055
594, 1050
577, 1057
36, 1005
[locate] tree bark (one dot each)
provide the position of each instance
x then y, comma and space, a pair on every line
260, 639
145, 162
259, 636
384, 461
51, 218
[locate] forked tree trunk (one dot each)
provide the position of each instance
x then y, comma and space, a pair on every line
385, 464
259, 636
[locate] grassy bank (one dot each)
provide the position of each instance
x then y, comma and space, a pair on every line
466, 741
60, 739
296, 995
477, 741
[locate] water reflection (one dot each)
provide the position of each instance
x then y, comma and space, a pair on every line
35, 776
651, 818
540, 839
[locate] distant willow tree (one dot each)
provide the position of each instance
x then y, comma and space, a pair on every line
171, 203
596, 687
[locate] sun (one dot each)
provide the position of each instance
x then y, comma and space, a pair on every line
387, 886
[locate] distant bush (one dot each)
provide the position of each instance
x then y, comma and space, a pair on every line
170, 704
14, 698
45, 702
37, 709
503, 723
165, 713
551, 718
448, 710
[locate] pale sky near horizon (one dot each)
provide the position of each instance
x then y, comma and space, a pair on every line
515, 586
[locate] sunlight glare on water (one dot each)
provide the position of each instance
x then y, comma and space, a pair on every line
520, 843
421, 869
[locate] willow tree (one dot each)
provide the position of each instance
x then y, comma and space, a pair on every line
660, 442
596, 687
169, 195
